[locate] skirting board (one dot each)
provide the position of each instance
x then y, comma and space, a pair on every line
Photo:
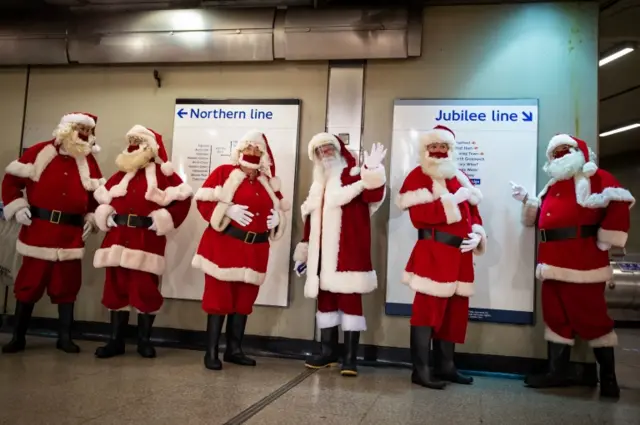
298, 349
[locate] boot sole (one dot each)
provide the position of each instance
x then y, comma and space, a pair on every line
310, 366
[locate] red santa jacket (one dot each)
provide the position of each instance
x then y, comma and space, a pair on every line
337, 230
226, 257
598, 200
435, 268
147, 193
57, 182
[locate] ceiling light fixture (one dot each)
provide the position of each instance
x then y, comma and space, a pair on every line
617, 52
620, 129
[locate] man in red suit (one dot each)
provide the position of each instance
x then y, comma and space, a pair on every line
443, 206
581, 213
58, 177
336, 246
244, 208
139, 206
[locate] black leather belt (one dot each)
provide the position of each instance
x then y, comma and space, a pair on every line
132, 220
564, 233
57, 217
442, 237
246, 237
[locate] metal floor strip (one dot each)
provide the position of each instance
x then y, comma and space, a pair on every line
252, 410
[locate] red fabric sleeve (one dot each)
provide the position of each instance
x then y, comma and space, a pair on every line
206, 196
179, 210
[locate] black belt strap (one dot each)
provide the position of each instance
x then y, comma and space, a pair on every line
246, 237
442, 237
565, 233
57, 217
132, 220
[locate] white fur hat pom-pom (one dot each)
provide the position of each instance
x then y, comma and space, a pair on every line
589, 169
95, 149
167, 168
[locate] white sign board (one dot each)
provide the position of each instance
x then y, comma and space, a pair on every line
204, 132
496, 142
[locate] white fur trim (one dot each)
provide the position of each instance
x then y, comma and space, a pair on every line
102, 195
101, 215
134, 259
609, 194
230, 274
427, 286
285, 205
301, 252
275, 183
208, 194
311, 286
476, 194
374, 206
78, 119
49, 254
451, 209
529, 214
172, 193
351, 323
321, 139
613, 237
278, 231
438, 135
560, 140
349, 282
327, 319
88, 183
412, 198
373, 178
163, 221
219, 221
340, 195
589, 169
607, 340
354, 171
551, 336
313, 201
545, 272
465, 289
482, 246
20, 169
13, 207
43, 159
145, 134
167, 169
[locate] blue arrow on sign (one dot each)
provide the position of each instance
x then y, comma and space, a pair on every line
527, 116
182, 113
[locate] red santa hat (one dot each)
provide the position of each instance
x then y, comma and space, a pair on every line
154, 141
589, 168
439, 134
322, 139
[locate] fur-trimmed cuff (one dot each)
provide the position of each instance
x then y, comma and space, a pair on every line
301, 252
482, 246
373, 178
208, 194
14, 206
102, 195
351, 323
312, 287
278, 231
549, 272
163, 221
530, 212
20, 169
102, 215
327, 319
613, 237
451, 209
412, 198
551, 336
169, 195
607, 340
219, 220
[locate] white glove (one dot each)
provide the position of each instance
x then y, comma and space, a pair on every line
153, 227
471, 243
239, 214
110, 221
23, 216
603, 246
300, 268
273, 220
518, 192
86, 230
374, 159
461, 195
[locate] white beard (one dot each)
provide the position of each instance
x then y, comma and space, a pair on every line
71, 142
439, 168
133, 161
565, 167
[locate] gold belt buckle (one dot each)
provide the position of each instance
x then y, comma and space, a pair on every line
129, 220
55, 217
250, 237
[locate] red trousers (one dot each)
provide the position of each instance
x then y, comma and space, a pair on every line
340, 309
577, 308
61, 279
447, 316
126, 287
221, 297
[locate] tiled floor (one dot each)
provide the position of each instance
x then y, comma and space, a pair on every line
44, 386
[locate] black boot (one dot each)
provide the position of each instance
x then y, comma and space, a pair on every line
420, 344
328, 350
444, 367
115, 346
22, 317
608, 382
145, 324
236, 324
65, 343
350, 361
214, 329
558, 373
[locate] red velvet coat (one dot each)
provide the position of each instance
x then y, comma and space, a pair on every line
598, 200
222, 256
435, 268
53, 181
146, 192
337, 230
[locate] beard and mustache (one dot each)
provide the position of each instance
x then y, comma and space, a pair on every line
439, 165
566, 166
134, 158
74, 143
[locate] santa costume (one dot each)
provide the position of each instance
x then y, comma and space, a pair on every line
139, 206
336, 245
58, 177
581, 213
244, 208
443, 207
